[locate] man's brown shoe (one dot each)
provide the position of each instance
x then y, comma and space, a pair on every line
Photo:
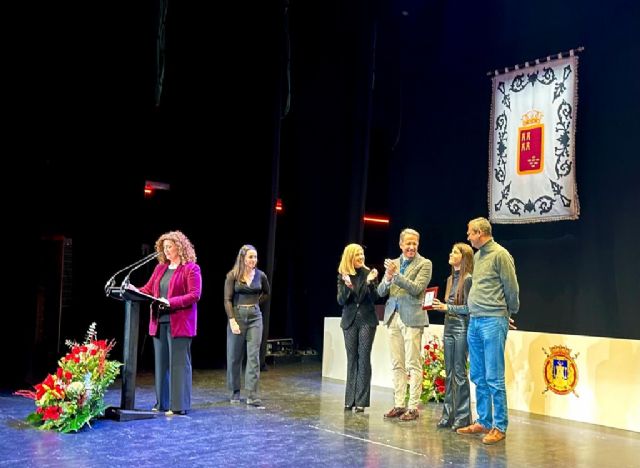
395, 412
494, 436
410, 415
475, 428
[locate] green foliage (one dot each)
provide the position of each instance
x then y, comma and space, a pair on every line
74, 394
433, 371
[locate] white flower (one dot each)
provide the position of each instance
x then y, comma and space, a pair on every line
87, 384
75, 389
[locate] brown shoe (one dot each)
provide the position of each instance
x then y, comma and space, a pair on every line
395, 412
494, 436
475, 428
410, 415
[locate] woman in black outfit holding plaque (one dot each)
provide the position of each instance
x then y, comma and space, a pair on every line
456, 411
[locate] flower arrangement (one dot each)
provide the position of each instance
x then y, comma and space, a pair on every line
70, 398
433, 371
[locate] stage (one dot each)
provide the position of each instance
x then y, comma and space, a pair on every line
302, 424
606, 367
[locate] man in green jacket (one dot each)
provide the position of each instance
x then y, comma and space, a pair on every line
493, 299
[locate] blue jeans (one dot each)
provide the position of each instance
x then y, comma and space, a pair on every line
486, 337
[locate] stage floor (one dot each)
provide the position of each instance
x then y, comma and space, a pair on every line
302, 424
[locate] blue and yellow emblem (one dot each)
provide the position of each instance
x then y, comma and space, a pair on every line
560, 370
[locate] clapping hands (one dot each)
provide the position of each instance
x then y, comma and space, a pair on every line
391, 268
347, 281
373, 274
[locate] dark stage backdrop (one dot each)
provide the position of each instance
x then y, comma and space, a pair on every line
389, 114
576, 277
428, 153
90, 138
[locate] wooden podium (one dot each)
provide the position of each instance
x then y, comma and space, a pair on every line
132, 300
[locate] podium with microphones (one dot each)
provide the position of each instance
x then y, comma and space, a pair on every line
132, 299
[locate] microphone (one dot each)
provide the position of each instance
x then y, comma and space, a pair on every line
110, 283
144, 261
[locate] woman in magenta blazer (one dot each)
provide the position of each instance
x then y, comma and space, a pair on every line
177, 282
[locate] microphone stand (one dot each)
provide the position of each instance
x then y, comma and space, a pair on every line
109, 285
126, 411
125, 281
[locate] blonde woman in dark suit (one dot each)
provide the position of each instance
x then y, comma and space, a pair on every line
357, 293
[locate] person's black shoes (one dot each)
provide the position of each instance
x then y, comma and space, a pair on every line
459, 424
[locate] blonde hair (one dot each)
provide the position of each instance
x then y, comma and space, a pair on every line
346, 262
466, 268
238, 267
406, 231
185, 249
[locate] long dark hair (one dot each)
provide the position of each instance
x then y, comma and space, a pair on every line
466, 268
238, 268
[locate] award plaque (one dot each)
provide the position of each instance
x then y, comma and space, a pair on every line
429, 295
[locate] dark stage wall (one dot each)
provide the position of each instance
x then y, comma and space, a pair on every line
576, 277
427, 165
89, 139
408, 143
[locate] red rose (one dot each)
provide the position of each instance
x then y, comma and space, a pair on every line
52, 412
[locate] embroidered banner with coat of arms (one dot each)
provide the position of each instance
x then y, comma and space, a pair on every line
532, 144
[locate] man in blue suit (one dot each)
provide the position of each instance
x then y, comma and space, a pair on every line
405, 280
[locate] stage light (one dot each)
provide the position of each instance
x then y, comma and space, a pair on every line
375, 219
150, 186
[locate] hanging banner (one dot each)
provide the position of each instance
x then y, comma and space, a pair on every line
532, 144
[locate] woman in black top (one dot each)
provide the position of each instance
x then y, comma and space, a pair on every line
357, 292
456, 411
245, 289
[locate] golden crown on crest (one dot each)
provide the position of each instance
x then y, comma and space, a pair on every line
558, 351
532, 117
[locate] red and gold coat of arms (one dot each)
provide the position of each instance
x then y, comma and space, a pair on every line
531, 143
560, 371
